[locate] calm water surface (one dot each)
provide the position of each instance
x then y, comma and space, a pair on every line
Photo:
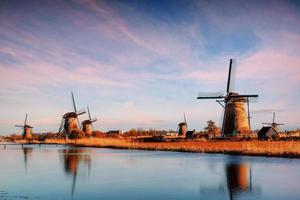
59, 172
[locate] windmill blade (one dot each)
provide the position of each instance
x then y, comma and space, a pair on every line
185, 121
89, 113
279, 124
220, 103
93, 120
221, 123
25, 119
273, 117
245, 97
74, 105
61, 125
229, 76
267, 123
80, 112
20, 126
210, 95
78, 122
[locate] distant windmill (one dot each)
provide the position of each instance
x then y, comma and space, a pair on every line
273, 124
87, 125
70, 121
235, 119
182, 127
27, 129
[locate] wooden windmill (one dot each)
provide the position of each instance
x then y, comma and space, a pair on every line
70, 121
235, 120
27, 129
87, 125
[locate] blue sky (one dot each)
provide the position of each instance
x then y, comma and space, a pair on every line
141, 64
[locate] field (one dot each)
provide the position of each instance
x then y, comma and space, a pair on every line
253, 148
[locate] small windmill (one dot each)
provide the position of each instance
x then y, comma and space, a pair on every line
273, 124
70, 121
182, 127
87, 125
235, 119
27, 129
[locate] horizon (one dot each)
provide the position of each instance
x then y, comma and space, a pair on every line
141, 64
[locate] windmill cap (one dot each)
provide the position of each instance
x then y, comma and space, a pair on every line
87, 121
70, 114
182, 124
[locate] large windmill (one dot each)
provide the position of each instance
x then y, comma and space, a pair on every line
27, 129
273, 123
235, 120
70, 121
87, 125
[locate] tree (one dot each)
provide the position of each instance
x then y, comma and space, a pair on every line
211, 128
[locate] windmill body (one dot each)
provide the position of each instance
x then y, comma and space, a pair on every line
235, 119
182, 127
70, 122
87, 125
27, 134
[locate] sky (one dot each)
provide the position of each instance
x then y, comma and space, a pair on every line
141, 64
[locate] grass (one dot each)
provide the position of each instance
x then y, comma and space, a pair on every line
253, 148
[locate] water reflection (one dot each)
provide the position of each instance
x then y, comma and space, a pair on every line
132, 174
73, 161
27, 151
238, 183
237, 179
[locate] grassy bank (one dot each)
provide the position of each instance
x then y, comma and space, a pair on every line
253, 148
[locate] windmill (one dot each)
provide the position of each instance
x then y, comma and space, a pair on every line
182, 127
235, 119
87, 125
27, 129
70, 121
273, 124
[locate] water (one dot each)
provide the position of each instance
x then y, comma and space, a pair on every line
59, 172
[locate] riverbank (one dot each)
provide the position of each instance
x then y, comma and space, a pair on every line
287, 149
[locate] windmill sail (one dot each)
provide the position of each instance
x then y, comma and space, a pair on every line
25, 120
229, 76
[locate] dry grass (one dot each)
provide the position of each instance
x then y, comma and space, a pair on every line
257, 148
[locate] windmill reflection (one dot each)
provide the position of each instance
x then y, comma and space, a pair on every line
75, 161
238, 183
27, 151
238, 179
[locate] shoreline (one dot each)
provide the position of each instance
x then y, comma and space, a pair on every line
281, 149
